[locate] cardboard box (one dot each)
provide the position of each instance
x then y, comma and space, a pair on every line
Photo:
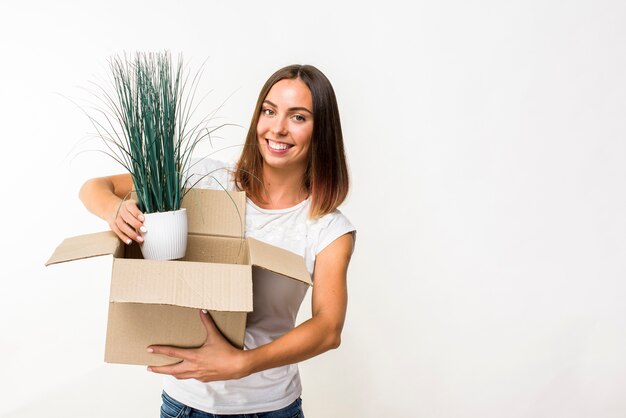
157, 302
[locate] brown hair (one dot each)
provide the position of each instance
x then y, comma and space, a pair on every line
326, 175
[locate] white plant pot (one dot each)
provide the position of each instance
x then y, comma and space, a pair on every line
166, 235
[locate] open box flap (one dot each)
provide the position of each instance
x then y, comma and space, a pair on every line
278, 260
215, 212
220, 287
85, 246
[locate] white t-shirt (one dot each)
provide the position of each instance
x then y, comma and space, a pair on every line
276, 299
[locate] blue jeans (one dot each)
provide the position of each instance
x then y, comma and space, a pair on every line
171, 408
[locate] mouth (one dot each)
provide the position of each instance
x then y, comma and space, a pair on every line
277, 147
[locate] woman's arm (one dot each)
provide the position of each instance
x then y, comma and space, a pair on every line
104, 197
218, 360
323, 331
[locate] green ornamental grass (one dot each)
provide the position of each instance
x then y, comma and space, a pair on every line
147, 126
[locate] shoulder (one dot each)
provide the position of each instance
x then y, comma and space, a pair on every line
207, 173
330, 227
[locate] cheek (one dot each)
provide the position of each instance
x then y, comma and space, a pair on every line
302, 133
261, 128
306, 136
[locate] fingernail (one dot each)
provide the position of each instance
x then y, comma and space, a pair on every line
128, 242
143, 229
204, 311
149, 369
150, 350
141, 218
139, 238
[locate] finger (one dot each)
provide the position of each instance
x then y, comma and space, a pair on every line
134, 210
132, 215
209, 324
126, 229
173, 369
125, 238
168, 350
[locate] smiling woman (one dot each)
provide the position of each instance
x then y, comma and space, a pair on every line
296, 121
294, 172
285, 126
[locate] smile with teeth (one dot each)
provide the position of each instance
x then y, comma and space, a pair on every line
278, 146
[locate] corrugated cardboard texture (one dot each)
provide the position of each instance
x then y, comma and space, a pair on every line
84, 246
133, 327
215, 212
157, 302
278, 260
216, 250
221, 287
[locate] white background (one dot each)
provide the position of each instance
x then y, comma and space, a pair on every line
487, 148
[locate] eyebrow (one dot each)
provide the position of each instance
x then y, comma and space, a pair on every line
291, 109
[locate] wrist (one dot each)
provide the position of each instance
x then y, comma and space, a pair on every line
247, 362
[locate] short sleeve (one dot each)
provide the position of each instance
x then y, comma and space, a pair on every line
207, 173
338, 225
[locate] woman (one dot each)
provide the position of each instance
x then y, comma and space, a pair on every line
294, 172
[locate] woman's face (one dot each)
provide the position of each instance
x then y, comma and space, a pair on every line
285, 125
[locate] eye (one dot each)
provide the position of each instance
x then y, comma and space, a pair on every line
267, 111
299, 118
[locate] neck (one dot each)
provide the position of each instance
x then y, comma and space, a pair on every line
283, 189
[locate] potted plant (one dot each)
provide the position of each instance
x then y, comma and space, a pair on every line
145, 126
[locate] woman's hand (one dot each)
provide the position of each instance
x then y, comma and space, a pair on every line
106, 198
126, 220
217, 359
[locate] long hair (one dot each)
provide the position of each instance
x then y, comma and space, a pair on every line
326, 174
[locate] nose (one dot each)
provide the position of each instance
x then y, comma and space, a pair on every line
279, 127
